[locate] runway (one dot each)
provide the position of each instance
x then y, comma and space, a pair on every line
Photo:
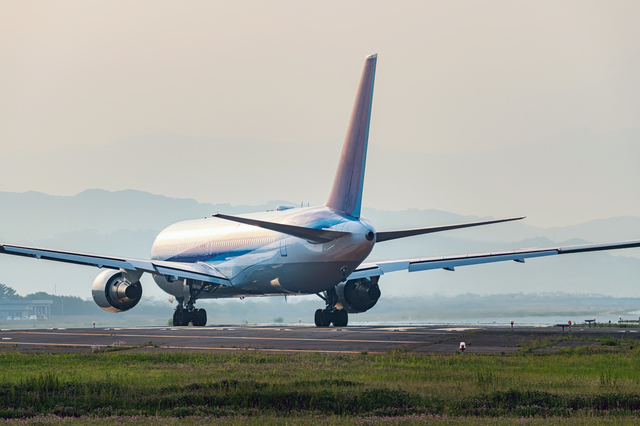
289, 339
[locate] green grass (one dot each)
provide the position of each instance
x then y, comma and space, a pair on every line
315, 419
400, 387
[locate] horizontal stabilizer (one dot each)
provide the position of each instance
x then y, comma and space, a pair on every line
394, 235
310, 234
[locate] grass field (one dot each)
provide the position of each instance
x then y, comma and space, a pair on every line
595, 385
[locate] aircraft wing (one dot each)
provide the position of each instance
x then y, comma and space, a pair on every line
175, 270
372, 269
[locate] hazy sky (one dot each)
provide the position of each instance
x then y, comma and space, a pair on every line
458, 82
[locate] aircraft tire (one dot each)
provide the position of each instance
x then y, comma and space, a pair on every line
327, 317
319, 318
199, 317
181, 318
340, 318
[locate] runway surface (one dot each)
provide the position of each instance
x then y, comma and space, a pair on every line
353, 339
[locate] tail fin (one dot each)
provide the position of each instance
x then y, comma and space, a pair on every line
346, 193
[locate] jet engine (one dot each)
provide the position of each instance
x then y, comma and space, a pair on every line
358, 295
113, 291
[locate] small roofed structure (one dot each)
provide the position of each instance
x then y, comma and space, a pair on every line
25, 308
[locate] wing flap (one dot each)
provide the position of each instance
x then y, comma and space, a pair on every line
597, 247
445, 262
372, 269
196, 271
177, 270
68, 257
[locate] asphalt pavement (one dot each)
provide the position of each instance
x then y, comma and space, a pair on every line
297, 338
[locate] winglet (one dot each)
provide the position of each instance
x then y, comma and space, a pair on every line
346, 193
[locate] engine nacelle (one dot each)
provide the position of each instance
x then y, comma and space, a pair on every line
358, 295
113, 291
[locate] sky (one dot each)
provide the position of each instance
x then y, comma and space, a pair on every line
495, 108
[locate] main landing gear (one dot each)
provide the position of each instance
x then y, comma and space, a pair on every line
331, 314
185, 312
182, 317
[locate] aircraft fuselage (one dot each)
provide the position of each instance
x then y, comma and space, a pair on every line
262, 262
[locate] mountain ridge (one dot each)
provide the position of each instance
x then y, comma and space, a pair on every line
523, 178
130, 224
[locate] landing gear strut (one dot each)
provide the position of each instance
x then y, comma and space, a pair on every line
185, 312
325, 317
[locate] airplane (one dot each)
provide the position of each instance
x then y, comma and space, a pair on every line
288, 251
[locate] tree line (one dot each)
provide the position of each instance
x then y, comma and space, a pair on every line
62, 305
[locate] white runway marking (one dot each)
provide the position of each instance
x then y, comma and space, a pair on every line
208, 337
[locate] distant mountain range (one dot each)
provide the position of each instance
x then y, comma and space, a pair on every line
126, 222
34, 216
580, 173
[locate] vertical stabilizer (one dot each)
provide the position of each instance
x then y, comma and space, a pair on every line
346, 193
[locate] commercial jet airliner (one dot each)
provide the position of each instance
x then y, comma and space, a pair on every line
288, 251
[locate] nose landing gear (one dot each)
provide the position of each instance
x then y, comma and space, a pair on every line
331, 314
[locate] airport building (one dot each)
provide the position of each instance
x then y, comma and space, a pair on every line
25, 308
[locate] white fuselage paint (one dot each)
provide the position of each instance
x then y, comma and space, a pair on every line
260, 262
